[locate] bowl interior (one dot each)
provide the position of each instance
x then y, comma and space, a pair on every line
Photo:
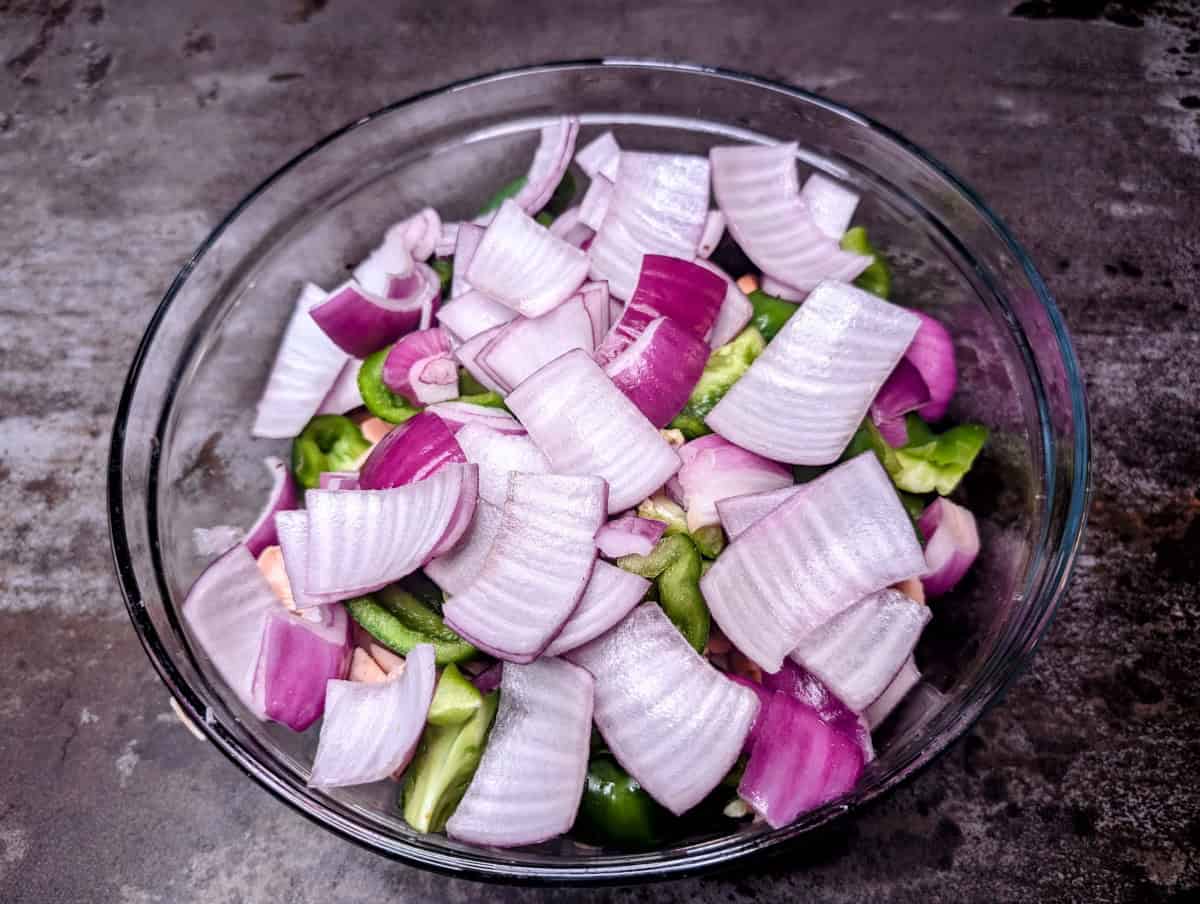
184, 458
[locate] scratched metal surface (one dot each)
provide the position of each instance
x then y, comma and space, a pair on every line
127, 129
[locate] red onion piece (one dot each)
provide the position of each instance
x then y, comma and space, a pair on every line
414, 239
596, 302
420, 367
599, 157
951, 545
283, 496
806, 687
371, 730
520, 264
459, 567
526, 344
473, 313
764, 698
596, 200
344, 395
659, 370
736, 309
569, 227
772, 286
629, 535
805, 395
610, 595
673, 722
903, 391
466, 242
292, 528
845, 536
489, 679
830, 204
737, 513
932, 353
550, 162
497, 455
468, 356
715, 469
714, 228
297, 655
419, 448
339, 480
457, 414
537, 569
306, 368
584, 425
361, 322
906, 679
527, 786
447, 239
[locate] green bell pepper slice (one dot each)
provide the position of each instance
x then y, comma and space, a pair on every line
444, 268
468, 385
929, 462
564, 193
415, 615
329, 442
381, 401
389, 630
724, 367
877, 278
487, 399
675, 566
770, 313
616, 811
455, 699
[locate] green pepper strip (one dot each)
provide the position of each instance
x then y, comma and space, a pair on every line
381, 401
329, 442
675, 565
564, 192
616, 810
770, 313
444, 268
929, 461
394, 634
455, 699
876, 279
725, 365
415, 615
487, 399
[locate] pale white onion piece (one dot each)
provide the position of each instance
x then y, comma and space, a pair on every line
830, 203
599, 156
526, 344
610, 595
457, 570
498, 455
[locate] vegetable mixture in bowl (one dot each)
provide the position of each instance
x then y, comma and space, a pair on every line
614, 508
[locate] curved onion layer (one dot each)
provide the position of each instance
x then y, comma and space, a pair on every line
737, 513
659, 370
759, 192
283, 496
526, 344
537, 569
858, 652
361, 322
468, 356
610, 595
421, 368
806, 687
550, 161
570, 228
344, 395
845, 536
673, 722
715, 469
805, 395
689, 294
659, 206
932, 353
473, 313
585, 425
600, 156
457, 414
764, 697
596, 302
772, 286
520, 264
371, 730
951, 545
292, 528
497, 455
906, 679
465, 244
714, 228
736, 309
527, 786
629, 535
447, 239
596, 200
903, 391
338, 480
225, 609
798, 763
489, 679
414, 239
457, 569
830, 204
296, 657
413, 451
306, 368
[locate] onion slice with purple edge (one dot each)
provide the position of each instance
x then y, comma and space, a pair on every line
805, 395
292, 528
596, 301
714, 228
772, 286
297, 656
537, 568
225, 609
420, 367
830, 204
412, 451
526, 344
659, 370
758, 190
550, 161
497, 455
932, 353
458, 414
845, 536
951, 545
594, 205
465, 244
283, 497
473, 313
629, 535
906, 679
527, 786
599, 156
338, 480
715, 469
454, 571
468, 356
806, 687
659, 206
798, 763
673, 721
610, 595
361, 322
736, 309
520, 264
306, 368
737, 513
903, 391
585, 425
413, 239
344, 396
568, 227
371, 730
764, 697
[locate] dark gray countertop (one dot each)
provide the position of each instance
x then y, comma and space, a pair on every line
127, 129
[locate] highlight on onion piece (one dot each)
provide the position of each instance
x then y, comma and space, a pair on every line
569, 227
596, 303
497, 455
596, 199
527, 786
420, 367
858, 652
520, 264
468, 356
225, 609
610, 595
455, 570
629, 535
830, 204
736, 309
283, 496
791, 405
599, 156
465, 244
906, 679
659, 370
338, 480
456, 414
845, 536
659, 206
585, 425
306, 367
758, 190
527, 343
412, 451
903, 391
297, 655
714, 228
676, 726
951, 545
413, 239
362, 322
737, 513
715, 469
537, 568
371, 730
932, 353
806, 687
473, 313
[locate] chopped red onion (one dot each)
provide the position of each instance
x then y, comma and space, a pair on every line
594, 205
932, 353
338, 480
473, 313
903, 391
629, 535
497, 455
550, 162
282, 497
951, 545
468, 356
772, 286
344, 396
659, 370
489, 679
737, 513
568, 227
420, 367
297, 655
806, 687
599, 157
830, 204
736, 309
610, 595
596, 301
715, 469
456, 414
447, 239
714, 228
906, 679
764, 698
414, 239
361, 322
458, 568
526, 344
419, 448
292, 528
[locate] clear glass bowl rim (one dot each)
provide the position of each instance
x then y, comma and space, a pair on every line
622, 869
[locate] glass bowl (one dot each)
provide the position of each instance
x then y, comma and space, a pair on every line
182, 455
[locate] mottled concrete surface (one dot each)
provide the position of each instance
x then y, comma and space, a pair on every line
127, 129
